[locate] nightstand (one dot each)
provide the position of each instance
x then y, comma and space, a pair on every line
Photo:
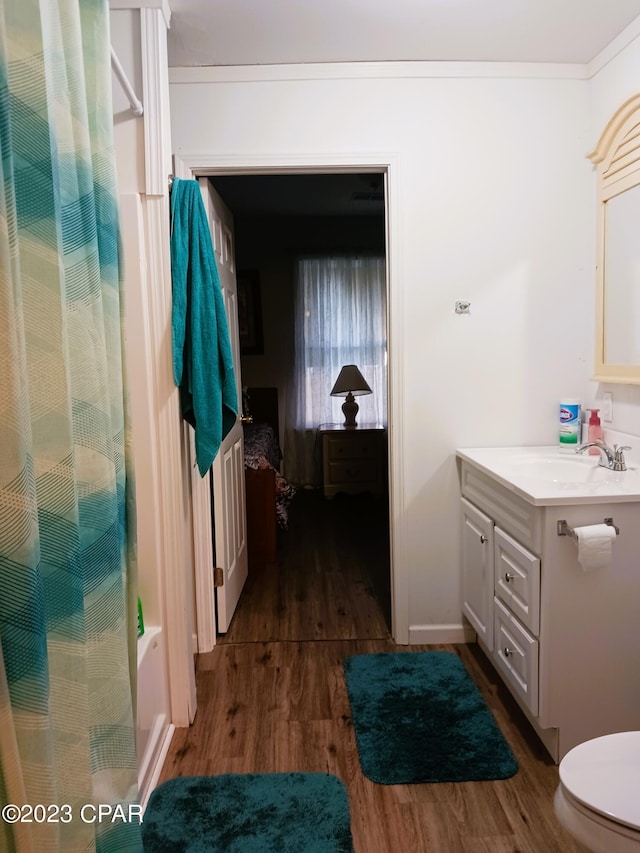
353, 459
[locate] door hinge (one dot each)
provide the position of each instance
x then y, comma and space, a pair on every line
218, 576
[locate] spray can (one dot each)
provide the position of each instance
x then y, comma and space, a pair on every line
570, 424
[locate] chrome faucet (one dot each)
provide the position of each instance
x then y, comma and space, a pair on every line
615, 460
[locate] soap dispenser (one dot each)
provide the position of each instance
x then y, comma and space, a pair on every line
595, 431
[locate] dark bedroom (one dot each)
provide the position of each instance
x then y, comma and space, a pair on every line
312, 310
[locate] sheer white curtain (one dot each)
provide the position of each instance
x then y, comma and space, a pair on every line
340, 318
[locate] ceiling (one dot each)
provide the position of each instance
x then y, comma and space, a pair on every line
257, 32
302, 195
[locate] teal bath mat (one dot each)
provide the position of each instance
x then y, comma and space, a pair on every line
252, 813
419, 717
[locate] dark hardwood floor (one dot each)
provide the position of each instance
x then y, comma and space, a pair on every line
332, 577
272, 698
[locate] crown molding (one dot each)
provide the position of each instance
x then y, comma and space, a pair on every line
614, 48
375, 70
162, 5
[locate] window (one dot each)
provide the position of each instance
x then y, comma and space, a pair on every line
340, 318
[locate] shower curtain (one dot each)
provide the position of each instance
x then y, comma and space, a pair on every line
66, 720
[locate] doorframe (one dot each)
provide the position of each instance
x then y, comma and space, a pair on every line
190, 165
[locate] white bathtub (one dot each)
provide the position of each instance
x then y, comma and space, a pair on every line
153, 731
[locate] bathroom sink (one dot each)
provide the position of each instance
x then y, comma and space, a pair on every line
550, 475
564, 469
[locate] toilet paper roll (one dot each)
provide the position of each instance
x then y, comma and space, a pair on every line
594, 545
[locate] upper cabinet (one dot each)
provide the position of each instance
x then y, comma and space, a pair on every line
617, 157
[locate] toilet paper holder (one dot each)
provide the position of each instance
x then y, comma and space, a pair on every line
565, 530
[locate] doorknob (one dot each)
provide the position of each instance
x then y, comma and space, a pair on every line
246, 419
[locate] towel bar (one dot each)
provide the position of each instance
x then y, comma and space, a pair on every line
565, 530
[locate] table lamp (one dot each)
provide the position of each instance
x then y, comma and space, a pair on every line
350, 383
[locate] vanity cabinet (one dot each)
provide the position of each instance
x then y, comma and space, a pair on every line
477, 571
564, 641
517, 580
501, 600
516, 598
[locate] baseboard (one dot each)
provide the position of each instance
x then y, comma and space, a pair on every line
432, 635
159, 743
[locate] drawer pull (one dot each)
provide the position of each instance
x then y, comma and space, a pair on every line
483, 538
507, 652
508, 578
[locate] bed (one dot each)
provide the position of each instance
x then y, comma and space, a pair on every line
268, 492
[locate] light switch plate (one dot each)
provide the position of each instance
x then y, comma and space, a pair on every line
607, 407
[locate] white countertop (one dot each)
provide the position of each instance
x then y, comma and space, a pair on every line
548, 476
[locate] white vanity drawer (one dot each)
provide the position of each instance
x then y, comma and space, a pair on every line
517, 579
519, 518
516, 656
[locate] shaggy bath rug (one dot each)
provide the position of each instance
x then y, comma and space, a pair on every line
419, 717
252, 813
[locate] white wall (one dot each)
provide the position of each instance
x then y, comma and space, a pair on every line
496, 207
128, 129
153, 730
129, 148
164, 535
609, 88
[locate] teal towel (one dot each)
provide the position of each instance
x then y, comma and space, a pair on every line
202, 360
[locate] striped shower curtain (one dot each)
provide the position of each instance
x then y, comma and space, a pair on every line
67, 750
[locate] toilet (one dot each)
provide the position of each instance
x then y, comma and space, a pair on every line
598, 798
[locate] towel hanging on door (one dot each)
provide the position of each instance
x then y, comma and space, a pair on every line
202, 360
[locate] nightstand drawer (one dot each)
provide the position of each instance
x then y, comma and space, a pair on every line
353, 471
359, 447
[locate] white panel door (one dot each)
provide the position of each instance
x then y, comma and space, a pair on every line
227, 471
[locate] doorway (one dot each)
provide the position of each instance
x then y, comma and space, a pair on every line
276, 219
188, 165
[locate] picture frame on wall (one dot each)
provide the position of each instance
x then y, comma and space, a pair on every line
250, 313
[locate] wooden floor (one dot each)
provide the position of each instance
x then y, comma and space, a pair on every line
332, 577
272, 697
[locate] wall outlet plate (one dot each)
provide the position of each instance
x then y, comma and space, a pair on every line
607, 407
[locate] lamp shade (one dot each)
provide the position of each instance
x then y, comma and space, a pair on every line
350, 381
